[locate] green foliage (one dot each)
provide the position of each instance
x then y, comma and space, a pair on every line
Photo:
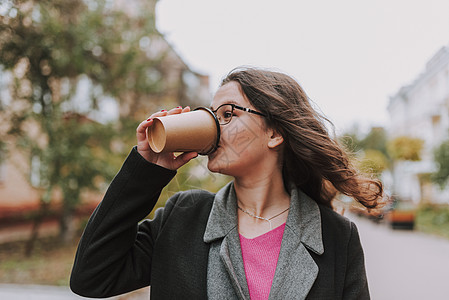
405, 148
433, 219
66, 39
49, 46
441, 157
351, 142
370, 153
77, 167
376, 139
2, 151
374, 162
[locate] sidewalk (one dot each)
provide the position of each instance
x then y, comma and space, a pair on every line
42, 292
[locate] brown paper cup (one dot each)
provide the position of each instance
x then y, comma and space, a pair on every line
196, 130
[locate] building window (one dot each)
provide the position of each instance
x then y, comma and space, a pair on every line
436, 120
2, 162
35, 174
2, 171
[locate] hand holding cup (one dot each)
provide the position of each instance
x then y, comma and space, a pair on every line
164, 159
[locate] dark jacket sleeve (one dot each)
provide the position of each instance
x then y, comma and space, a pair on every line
356, 284
114, 255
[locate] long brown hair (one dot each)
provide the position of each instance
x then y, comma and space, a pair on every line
311, 159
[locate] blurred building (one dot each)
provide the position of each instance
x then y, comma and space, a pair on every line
180, 85
421, 110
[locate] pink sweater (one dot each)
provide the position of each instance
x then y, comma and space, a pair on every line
260, 256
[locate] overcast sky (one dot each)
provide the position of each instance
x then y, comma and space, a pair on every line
350, 56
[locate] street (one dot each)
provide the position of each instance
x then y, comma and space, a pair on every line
404, 264
42, 292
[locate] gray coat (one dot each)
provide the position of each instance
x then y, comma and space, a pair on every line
191, 249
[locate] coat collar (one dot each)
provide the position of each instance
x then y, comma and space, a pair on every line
223, 216
304, 218
296, 271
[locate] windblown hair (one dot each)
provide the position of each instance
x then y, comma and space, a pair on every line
311, 158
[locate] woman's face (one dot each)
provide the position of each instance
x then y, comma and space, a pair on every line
243, 141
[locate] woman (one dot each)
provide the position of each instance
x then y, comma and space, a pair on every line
270, 233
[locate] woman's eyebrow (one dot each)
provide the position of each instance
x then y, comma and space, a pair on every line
232, 102
226, 102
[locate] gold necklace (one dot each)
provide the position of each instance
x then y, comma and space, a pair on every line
262, 218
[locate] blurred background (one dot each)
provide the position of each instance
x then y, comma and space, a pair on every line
77, 77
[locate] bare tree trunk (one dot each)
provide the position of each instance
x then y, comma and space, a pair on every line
67, 228
37, 221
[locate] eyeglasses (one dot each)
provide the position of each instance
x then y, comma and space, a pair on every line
225, 112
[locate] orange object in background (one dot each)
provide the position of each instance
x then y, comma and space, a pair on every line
401, 214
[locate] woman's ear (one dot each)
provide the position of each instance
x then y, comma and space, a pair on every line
275, 139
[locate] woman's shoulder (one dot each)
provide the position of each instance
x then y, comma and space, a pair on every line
331, 213
192, 198
335, 222
183, 207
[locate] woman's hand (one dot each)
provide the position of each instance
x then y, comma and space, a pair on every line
166, 160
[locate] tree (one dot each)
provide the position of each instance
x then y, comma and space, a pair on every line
405, 148
369, 151
374, 153
441, 158
50, 47
351, 142
373, 162
376, 139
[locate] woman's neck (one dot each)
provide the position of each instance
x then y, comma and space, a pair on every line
262, 196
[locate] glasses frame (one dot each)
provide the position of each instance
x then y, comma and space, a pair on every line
235, 106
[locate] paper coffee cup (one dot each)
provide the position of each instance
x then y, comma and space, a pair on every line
196, 130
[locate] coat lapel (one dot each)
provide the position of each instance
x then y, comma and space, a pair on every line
231, 255
296, 271
225, 253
